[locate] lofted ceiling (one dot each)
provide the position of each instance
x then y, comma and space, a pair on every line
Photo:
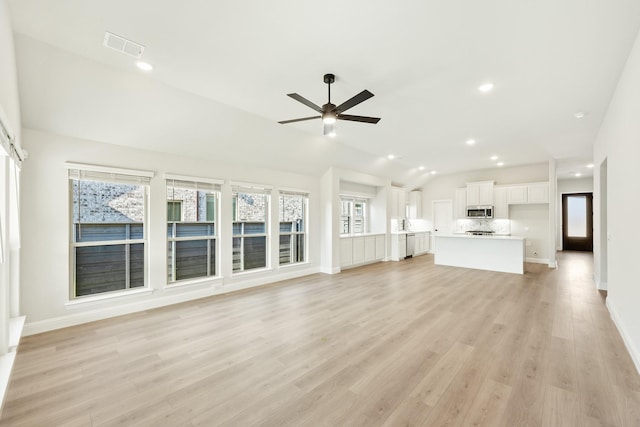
222, 71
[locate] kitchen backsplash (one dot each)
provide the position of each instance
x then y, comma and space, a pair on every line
498, 226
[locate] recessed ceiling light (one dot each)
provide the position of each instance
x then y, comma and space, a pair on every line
579, 114
578, 174
486, 87
144, 66
434, 172
494, 158
391, 157
421, 168
471, 141
590, 165
332, 134
500, 164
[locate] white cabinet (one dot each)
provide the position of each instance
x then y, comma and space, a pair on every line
381, 241
422, 243
398, 246
369, 248
402, 246
415, 205
500, 204
461, 203
358, 250
480, 193
517, 194
537, 192
346, 252
398, 203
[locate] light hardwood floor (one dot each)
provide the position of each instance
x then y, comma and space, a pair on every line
390, 344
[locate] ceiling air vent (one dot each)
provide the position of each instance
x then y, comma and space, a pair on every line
123, 45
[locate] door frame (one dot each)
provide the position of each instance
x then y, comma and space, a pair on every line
588, 244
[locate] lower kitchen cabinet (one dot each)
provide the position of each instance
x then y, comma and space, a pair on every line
359, 250
422, 243
398, 246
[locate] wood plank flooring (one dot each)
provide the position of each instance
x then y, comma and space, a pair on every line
391, 344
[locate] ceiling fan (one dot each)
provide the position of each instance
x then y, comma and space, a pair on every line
329, 112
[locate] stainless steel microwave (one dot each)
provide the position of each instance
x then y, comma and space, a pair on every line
479, 211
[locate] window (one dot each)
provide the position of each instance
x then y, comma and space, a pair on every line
174, 210
250, 230
191, 229
345, 216
108, 238
293, 226
353, 215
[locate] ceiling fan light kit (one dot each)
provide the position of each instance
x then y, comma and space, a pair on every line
330, 113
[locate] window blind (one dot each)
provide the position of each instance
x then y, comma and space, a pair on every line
250, 189
192, 185
293, 193
118, 176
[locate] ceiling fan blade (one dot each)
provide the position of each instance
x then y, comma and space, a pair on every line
305, 101
352, 102
284, 122
362, 119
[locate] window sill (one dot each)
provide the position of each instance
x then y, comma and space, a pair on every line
295, 264
97, 299
250, 272
188, 283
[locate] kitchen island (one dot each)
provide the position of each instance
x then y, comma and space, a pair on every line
495, 253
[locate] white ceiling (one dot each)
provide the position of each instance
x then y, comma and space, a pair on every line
222, 71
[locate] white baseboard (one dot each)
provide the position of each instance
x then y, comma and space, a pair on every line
600, 285
537, 260
7, 360
631, 348
334, 270
166, 298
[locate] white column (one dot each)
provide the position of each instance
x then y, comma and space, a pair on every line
5, 260
553, 186
225, 232
274, 227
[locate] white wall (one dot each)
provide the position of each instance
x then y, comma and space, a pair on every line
532, 222
618, 142
45, 225
569, 186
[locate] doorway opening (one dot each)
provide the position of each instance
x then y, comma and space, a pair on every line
577, 222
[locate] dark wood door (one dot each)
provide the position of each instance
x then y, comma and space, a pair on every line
577, 222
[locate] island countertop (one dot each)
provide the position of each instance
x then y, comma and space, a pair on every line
492, 236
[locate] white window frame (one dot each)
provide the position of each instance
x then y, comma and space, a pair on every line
77, 171
212, 187
352, 200
257, 189
304, 232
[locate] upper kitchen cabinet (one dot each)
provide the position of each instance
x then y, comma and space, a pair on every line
398, 202
537, 192
415, 205
501, 206
480, 193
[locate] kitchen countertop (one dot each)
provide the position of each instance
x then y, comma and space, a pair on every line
492, 237
410, 232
